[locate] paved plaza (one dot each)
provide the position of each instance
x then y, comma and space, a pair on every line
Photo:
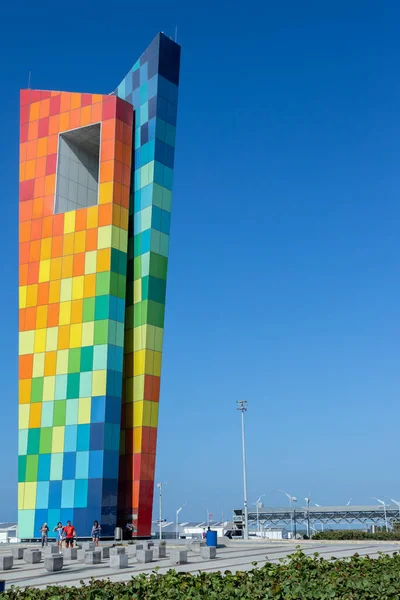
236, 556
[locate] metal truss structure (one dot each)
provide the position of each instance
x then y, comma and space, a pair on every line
367, 515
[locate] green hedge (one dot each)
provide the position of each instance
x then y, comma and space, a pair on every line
354, 534
298, 577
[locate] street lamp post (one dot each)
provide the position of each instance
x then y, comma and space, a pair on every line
291, 499
159, 485
177, 519
242, 406
308, 500
258, 505
384, 511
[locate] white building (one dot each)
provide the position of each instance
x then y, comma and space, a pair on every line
8, 533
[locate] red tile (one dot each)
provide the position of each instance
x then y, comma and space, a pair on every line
43, 127
45, 94
86, 99
109, 108
24, 132
26, 190
24, 113
35, 95
51, 164
55, 103
24, 97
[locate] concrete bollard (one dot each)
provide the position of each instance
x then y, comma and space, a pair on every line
70, 554
159, 551
178, 557
51, 550
196, 546
208, 552
144, 556
131, 551
88, 546
53, 563
117, 550
18, 552
92, 557
32, 556
105, 551
81, 555
141, 546
118, 561
6, 562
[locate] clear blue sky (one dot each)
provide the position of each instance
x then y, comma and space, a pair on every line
284, 284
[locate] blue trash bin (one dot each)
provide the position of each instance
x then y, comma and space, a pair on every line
2, 585
211, 538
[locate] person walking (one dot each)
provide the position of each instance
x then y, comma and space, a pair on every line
59, 529
96, 532
70, 534
44, 530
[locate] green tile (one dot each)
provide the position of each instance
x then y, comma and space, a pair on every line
37, 389
46, 435
102, 307
88, 310
155, 314
158, 265
72, 386
60, 407
103, 283
130, 312
86, 358
137, 267
139, 313
100, 333
21, 468
74, 360
121, 286
114, 283
32, 462
33, 440
155, 289
118, 261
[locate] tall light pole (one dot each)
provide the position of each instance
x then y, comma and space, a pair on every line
258, 504
384, 511
398, 505
159, 485
242, 406
291, 499
177, 521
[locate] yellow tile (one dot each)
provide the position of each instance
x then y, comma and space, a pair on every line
68, 245
154, 414
84, 411
24, 391
89, 286
138, 388
44, 270
76, 335
92, 217
104, 237
69, 222
50, 362
78, 287
49, 384
30, 495
22, 296
137, 291
57, 444
31, 295
21, 495
76, 310
63, 337
66, 290
55, 268
65, 313
157, 364
147, 413
80, 242
26, 342
62, 362
137, 439
38, 365
40, 340
138, 413
54, 293
23, 416
90, 262
139, 338
139, 363
41, 316
88, 334
99, 380
67, 266
106, 192
45, 249
51, 339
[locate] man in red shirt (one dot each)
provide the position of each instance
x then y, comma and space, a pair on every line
70, 534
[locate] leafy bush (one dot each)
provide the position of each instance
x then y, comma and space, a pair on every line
298, 577
355, 534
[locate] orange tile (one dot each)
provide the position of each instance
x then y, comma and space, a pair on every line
31, 150
36, 229
116, 213
39, 187
35, 414
126, 154
23, 274
23, 149
21, 319
97, 98
24, 249
41, 317
25, 231
52, 144
108, 130
41, 167
86, 117
48, 205
80, 219
65, 102
119, 130
34, 251
37, 208
34, 111
78, 264
75, 118
97, 110
44, 109
76, 311
118, 171
76, 100
67, 266
25, 366
25, 210
57, 246
43, 293
50, 183
89, 286
53, 315
118, 150
103, 260
106, 171
80, 242
63, 337
91, 239
22, 172
50, 363
107, 150
58, 224
33, 272
64, 121
127, 135
105, 214
42, 147
126, 175
54, 124
55, 268
30, 169
47, 227
54, 292
33, 130
30, 318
